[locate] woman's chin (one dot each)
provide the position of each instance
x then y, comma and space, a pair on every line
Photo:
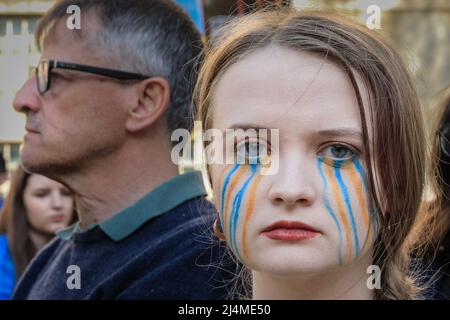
293, 265
56, 227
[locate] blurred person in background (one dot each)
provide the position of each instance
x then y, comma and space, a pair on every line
35, 208
434, 240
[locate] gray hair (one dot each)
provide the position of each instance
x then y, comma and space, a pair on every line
151, 37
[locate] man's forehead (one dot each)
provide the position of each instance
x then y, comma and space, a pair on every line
58, 39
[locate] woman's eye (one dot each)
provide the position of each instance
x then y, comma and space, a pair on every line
338, 152
66, 193
41, 194
250, 152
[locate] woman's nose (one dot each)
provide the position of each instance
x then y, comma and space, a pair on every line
293, 185
56, 200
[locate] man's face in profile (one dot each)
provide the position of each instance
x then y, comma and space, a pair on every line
81, 117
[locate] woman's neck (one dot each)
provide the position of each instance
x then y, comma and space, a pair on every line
347, 282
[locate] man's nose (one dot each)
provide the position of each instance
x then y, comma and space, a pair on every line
293, 185
27, 98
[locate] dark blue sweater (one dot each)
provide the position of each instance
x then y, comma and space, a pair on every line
172, 256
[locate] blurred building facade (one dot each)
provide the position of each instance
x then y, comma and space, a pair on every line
421, 31
418, 29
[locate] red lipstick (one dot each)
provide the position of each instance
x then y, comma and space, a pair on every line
57, 218
290, 231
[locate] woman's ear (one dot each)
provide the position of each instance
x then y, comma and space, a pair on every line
152, 100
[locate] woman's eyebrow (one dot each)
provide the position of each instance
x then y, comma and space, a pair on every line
328, 133
341, 132
246, 126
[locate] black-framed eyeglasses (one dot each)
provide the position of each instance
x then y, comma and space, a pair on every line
44, 69
444, 139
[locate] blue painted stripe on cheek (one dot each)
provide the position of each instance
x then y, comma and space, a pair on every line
329, 209
343, 187
224, 188
235, 211
362, 173
231, 228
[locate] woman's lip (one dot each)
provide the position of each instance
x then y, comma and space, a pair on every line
57, 218
290, 230
295, 225
290, 234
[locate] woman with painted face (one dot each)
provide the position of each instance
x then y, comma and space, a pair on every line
330, 221
35, 208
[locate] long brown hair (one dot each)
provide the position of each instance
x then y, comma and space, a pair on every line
397, 156
14, 222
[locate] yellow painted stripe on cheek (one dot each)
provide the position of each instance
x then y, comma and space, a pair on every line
233, 185
342, 214
360, 194
219, 182
249, 213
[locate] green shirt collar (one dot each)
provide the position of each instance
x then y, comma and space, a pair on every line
163, 198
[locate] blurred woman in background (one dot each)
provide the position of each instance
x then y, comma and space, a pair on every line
35, 208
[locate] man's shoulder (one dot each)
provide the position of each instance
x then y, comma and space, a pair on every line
172, 256
37, 265
196, 207
186, 222
191, 217
183, 261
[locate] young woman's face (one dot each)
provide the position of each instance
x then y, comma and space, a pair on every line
48, 203
313, 213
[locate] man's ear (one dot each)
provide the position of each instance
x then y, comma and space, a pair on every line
152, 101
